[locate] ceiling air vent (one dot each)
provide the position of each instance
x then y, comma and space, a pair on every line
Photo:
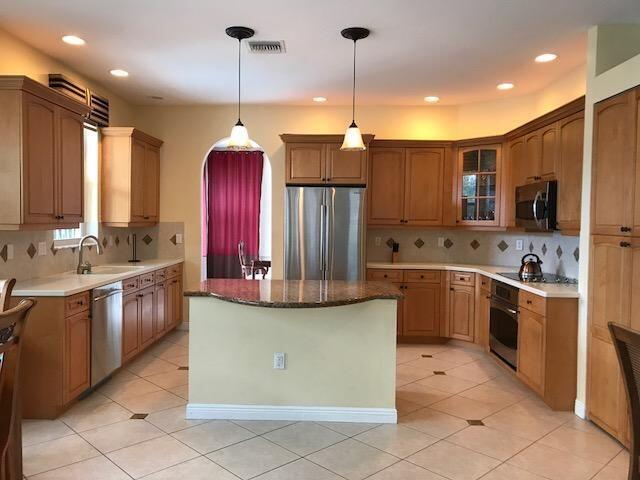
266, 46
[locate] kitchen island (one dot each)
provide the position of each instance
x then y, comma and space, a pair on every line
292, 350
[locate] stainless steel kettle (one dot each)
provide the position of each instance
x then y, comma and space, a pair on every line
530, 270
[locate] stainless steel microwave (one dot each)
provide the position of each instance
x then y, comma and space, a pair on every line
536, 206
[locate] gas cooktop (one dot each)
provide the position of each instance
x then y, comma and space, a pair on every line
546, 278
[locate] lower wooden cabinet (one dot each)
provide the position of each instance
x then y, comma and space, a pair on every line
400, 315
421, 310
147, 317
483, 309
77, 355
160, 299
531, 349
130, 320
461, 312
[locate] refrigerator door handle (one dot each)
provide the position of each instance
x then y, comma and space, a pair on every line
323, 238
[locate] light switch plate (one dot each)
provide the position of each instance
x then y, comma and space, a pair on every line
110, 241
279, 360
42, 248
10, 253
519, 245
179, 238
378, 241
441, 241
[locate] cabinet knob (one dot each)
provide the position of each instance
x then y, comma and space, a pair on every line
421, 276
625, 244
385, 275
625, 229
529, 302
451, 288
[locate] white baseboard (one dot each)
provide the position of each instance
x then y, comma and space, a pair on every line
580, 409
208, 411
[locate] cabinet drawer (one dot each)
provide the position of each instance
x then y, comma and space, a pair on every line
532, 302
463, 278
485, 283
76, 303
174, 271
146, 280
385, 275
130, 285
424, 276
160, 275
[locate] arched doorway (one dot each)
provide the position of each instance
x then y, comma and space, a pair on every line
210, 210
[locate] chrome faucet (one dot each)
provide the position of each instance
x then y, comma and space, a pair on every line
84, 266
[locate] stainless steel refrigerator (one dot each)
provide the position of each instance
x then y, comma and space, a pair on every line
325, 233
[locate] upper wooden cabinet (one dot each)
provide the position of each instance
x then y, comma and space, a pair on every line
41, 156
318, 160
130, 180
406, 186
569, 161
479, 185
614, 165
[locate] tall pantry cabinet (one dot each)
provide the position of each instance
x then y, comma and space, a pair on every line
614, 279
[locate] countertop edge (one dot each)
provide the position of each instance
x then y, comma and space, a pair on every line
477, 269
34, 292
288, 305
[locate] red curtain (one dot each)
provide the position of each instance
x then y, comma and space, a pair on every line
234, 186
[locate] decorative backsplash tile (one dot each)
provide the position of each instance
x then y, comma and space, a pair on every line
147, 239
28, 264
419, 243
483, 248
390, 242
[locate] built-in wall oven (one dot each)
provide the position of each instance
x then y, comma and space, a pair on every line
503, 323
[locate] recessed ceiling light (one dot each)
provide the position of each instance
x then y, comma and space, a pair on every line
73, 40
546, 57
505, 86
431, 99
119, 73
320, 99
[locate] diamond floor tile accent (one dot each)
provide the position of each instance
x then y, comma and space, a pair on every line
475, 423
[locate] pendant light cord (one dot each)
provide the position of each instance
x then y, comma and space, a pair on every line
239, 73
353, 104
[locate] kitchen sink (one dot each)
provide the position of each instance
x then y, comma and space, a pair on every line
113, 269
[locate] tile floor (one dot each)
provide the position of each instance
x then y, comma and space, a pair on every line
514, 436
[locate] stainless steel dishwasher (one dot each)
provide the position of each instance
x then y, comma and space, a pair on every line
106, 331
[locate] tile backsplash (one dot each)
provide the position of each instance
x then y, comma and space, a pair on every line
158, 241
559, 253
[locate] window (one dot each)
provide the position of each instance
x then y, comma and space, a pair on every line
64, 237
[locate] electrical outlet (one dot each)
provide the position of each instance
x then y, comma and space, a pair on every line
10, 253
42, 248
519, 245
110, 241
279, 360
378, 241
179, 238
441, 241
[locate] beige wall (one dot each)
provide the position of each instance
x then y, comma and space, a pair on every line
18, 58
189, 132
335, 356
600, 86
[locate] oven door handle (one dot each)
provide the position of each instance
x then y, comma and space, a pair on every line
501, 305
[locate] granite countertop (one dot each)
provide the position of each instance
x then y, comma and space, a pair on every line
70, 283
295, 293
549, 290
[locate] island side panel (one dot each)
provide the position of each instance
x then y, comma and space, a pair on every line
337, 358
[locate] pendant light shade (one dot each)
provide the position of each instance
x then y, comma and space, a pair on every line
239, 138
353, 137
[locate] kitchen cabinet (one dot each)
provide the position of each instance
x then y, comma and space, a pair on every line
541, 152
77, 356
160, 299
614, 165
482, 311
531, 349
406, 186
479, 185
318, 160
421, 313
41, 156
569, 172
130, 320
517, 167
462, 312
533, 157
148, 319
130, 177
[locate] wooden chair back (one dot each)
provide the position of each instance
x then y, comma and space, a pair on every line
6, 287
627, 344
12, 324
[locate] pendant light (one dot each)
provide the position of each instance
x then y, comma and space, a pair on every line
239, 138
353, 137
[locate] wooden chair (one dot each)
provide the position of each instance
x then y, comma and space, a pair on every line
12, 322
248, 266
6, 287
627, 344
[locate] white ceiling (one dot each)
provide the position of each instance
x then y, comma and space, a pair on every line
177, 49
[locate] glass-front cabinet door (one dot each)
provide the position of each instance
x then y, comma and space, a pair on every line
479, 185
